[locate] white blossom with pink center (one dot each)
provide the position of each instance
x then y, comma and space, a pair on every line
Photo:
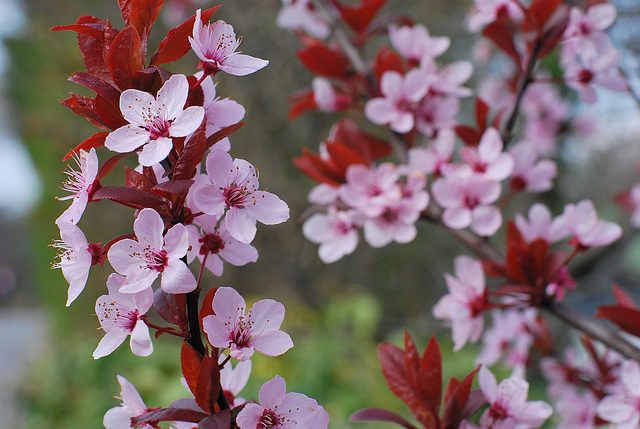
208, 237
582, 221
370, 189
132, 406
233, 193
576, 410
78, 184
586, 31
216, 44
467, 198
487, 11
336, 232
414, 43
530, 174
436, 114
234, 379
121, 315
151, 255
75, 258
301, 15
541, 225
508, 405
153, 121
280, 410
447, 80
242, 333
463, 306
436, 154
488, 159
622, 409
399, 102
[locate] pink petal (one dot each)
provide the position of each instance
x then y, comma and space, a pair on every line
268, 209
457, 218
110, 342
272, 392
242, 65
488, 385
391, 84
486, 220
126, 139
273, 344
155, 151
176, 241
379, 111
227, 303
120, 256
140, 343
135, 104
250, 416
172, 97
176, 278
187, 121
216, 330
239, 254
219, 167
225, 112
149, 228
241, 225
267, 316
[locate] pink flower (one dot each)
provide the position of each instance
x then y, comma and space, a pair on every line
215, 44
582, 221
258, 329
487, 11
335, 231
621, 409
576, 411
415, 43
586, 31
153, 121
301, 15
79, 183
508, 406
122, 315
142, 261
595, 67
233, 380
214, 240
75, 258
559, 285
529, 173
132, 406
234, 193
447, 80
431, 158
464, 304
467, 198
540, 225
326, 97
488, 159
401, 95
281, 410
436, 114
369, 189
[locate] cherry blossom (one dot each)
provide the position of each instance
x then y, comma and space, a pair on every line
79, 184
336, 232
487, 11
215, 44
326, 97
508, 405
529, 173
370, 189
75, 258
431, 158
488, 159
233, 192
401, 95
414, 43
576, 410
585, 31
209, 238
448, 79
588, 230
466, 198
132, 406
234, 379
300, 14
540, 225
436, 113
153, 121
621, 408
142, 261
259, 329
280, 410
464, 304
122, 315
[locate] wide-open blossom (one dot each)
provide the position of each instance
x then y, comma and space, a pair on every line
75, 257
132, 406
336, 231
621, 408
209, 238
121, 315
153, 121
399, 101
414, 43
234, 379
301, 15
540, 225
258, 329
488, 158
234, 193
151, 255
576, 410
216, 44
437, 154
78, 184
280, 410
466, 301
586, 30
530, 174
588, 230
508, 405
436, 114
370, 189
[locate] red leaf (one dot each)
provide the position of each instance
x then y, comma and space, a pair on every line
501, 33
173, 189
368, 146
136, 180
219, 420
455, 399
141, 14
360, 16
191, 155
470, 136
95, 140
172, 308
207, 304
541, 10
343, 156
176, 44
430, 376
208, 384
168, 414
623, 299
190, 361
321, 60
626, 318
303, 102
379, 415
96, 85
482, 112
109, 112
387, 60
83, 106
225, 132
133, 198
125, 57
110, 164
318, 169
412, 360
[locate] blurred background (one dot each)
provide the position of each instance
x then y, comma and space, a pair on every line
336, 314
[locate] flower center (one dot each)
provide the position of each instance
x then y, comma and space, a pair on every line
211, 243
241, 334
120, 315
235, 196
471, 202
269, 420
159, 128
157, 260
585, 76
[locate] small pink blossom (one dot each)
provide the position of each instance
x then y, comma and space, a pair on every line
540, 225
122, 315
447, 80
301, 15
576, 410
466, 301
234, 193
336, 232
508, 405
153, 121
216, 44
132, 406
595, 67
621, 408
588, 230
370, 189
488, 158
233, 380
437, 154
586, 31
79, 184
487, 11
75, 257
259, 329
326, 97
142, 261
414, 43
529, 173
436, 113
280, 410
401, 95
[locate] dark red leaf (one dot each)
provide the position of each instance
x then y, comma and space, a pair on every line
141, 14
302, 102
208, 384
207, 305
225, 132
176, 44
168, 414
190, 361
322, 60
501, 33
110, 164
379, 415
412, 361
172, 308
125, 57
387, 60
627, 319
191, 154
132, 198
358, 17
623, 299
343, 156
173, 189
95, 140
133, 179
150, 79
455, 399
430, 376
368, 146
83, 106
470, 136
219, 420
96, 85
318, 169
482, 112
109, 112
541, 10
